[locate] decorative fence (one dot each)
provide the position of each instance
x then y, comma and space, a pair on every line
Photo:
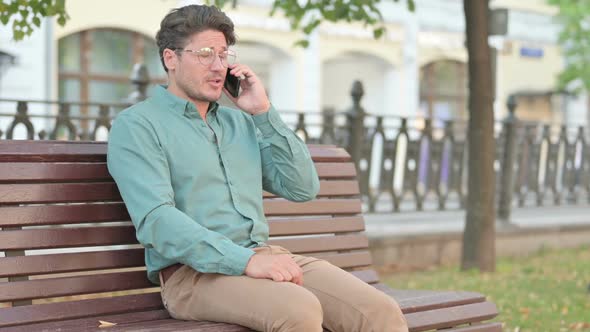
403, 163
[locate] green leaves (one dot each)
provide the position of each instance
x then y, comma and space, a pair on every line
307, 15
574, 15
26, 15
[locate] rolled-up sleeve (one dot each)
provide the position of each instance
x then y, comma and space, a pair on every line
287, 168
139, 166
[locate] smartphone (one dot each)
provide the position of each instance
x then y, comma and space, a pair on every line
232, 84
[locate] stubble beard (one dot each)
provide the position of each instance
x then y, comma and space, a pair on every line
193, 94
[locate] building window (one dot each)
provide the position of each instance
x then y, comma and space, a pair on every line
94, 65
443, 90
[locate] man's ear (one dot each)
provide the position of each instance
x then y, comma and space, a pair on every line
170, 59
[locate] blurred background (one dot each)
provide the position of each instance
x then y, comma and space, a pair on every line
398, 104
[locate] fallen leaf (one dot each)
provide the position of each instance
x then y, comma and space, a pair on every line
564, 310
579, 326
104, 324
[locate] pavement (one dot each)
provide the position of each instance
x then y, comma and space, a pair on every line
453, 221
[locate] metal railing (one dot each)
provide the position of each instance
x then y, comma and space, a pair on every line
403, 163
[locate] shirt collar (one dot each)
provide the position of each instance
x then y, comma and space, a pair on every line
180, 105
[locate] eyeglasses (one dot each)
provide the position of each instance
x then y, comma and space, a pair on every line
207, 55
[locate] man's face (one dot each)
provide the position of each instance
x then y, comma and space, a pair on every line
197, 81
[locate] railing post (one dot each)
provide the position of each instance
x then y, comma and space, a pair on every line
507, 171
140, 79
356, 116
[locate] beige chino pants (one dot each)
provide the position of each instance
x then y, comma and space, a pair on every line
330, 298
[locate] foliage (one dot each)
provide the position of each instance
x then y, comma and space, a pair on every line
547, 291
574, 15
27, 14
307, 15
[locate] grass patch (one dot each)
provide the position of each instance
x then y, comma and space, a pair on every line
548, 291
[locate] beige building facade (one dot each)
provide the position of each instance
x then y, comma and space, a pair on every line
419, 68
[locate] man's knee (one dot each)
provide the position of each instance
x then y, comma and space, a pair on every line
305, 314
384, 314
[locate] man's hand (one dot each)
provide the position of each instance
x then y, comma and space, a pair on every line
275, 267
252, 98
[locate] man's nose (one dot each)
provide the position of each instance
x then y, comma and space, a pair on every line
217, 64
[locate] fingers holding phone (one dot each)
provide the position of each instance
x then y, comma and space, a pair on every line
252, 99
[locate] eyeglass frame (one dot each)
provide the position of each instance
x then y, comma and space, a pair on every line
225, 63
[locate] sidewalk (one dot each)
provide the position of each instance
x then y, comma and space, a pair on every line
418, 240
439, 222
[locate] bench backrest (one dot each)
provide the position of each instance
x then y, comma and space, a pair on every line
66, 234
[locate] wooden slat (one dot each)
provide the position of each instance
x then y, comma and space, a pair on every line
70, 262
328, 154
89, 324
322, 243
336, 170
87, 284
64, 151
15, 172
67, 237
62, 214
412, 300
486, 327
46, 151
171, 325
160, 325
348, 260
39, 313
283, 207
333, 188
53, 172
316, 225
59, 192
368, 276
449, 317
107, 191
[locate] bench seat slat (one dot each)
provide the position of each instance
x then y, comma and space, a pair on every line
152, 301
46, 312
486, 327
89, 324
66, 286
126, 258
368, 276
107, 191
420, 300
16, 172
452, 316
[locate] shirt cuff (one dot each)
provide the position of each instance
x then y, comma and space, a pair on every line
269, 122
238, 259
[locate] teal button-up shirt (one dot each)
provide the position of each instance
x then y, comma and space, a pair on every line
193, 188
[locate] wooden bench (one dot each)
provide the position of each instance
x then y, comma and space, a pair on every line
60, 207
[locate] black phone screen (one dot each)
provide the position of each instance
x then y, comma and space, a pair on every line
232, 84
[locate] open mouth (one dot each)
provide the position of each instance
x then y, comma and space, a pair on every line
216, 82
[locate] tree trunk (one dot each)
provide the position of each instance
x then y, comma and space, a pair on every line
479, 235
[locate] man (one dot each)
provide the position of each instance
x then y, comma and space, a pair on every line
191, 174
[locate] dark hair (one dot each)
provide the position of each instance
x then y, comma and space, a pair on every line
181, 23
